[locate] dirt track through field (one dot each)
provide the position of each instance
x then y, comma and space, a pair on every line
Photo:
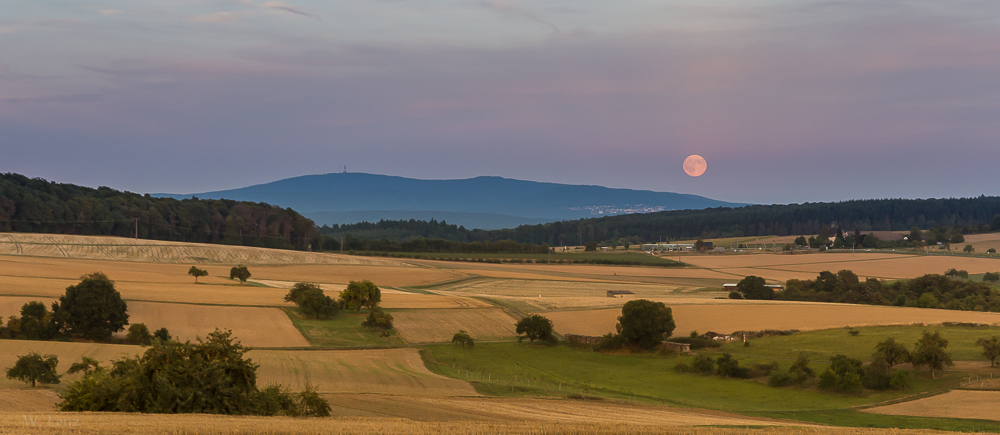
984, 405
726, 318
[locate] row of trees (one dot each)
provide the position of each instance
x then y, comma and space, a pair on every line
34, 205
313, 303
951, 290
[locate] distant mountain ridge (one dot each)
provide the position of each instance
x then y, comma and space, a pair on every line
339, 197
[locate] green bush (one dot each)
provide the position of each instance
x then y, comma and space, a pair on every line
138, 333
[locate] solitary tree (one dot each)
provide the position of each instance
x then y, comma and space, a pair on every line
930, 351
754, 287
360, 294
196, 272
92, 309
892, 352
969, 248
239, 272
993, 277
991, 348
463, 338
32, 368
991, 251
534, 327
645, 323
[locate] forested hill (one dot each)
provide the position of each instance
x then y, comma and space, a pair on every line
971, 214
34, 205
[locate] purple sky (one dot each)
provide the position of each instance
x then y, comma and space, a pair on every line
788, 100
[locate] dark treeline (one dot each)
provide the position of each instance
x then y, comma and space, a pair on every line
966, 214
953, 291
34, 205
403, 230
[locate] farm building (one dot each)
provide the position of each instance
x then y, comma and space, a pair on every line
585, 339
667, 247
616, 293
676, 347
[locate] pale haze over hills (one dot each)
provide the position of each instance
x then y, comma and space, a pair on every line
480, 202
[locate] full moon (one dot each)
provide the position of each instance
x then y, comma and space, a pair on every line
695, 165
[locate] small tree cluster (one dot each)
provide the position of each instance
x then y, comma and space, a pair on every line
92, 309
360, 294
311, 300
378, 319
211, 377
727, 366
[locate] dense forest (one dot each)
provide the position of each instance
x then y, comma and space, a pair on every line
962, 215
34, 205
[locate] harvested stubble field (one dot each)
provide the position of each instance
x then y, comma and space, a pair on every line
532, 409
376, 371
252, 326
28, 400
983, 405
435, 326
127, 249
749, 316
196, 424
531, 288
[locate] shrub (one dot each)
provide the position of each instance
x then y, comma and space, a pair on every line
703, 364
162, 334
901, 380
138, 333
378, 319
781, 379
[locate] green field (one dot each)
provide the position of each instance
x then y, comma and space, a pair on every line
518, 369
344, 330
611, 258
821, 345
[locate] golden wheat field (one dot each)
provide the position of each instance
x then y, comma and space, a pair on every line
252, 326
434, 325
751, 316
375, 371
128, 249
984, 405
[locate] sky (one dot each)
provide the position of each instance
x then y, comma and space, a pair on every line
789, 101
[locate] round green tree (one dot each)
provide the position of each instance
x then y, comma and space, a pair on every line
645, 323
534, 327
92, 309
